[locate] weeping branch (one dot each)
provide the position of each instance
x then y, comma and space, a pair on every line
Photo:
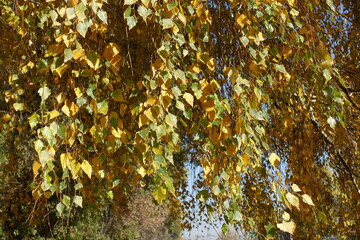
337, 151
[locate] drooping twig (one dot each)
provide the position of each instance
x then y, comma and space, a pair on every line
337, 151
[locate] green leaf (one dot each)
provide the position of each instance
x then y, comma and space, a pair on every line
19, 106
80, 11
103, 107
159, 194
70, 13
160, 131
127, 12
280, 68
130, 2
67, 55
167, 23
33, 120
171, 5
60, 208
82, 28
44, 93
171, 120
237, 216
224, 228
216, 190
244, 40
143, 133
78, 201
93, 59
144, 12
159, 160
327, 74
66, 201
45, 157
102, 15
332, 122
131, 21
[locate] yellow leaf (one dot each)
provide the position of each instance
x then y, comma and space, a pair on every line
286, 216
116, 132
142, 171
18, 106
35, 167
245, 159
241, 20
307, 199
295, 188
53, 114
74, 168
66, 109
211, 64
189, 98
287, 51
274, 159
293, 200
148, 113
194, 68
291, 2
86, 167
61, 69
78, 53
65, 160
130, 2
150, 101
287, 227
142, 120
78, 92
73, 109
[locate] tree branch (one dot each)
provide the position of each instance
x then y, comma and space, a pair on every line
337, 151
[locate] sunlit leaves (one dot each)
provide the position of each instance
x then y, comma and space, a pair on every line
189, 98
80, 11
130, 2
93, 59
102, 15
78, 200
287, 227
144, 12
86, 167
44, 93
274, 159
167, 23
293, 200
307, 199
133, 87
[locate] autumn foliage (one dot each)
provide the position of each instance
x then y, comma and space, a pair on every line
262, 94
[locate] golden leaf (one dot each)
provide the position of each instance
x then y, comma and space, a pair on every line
307, 199
274, 159
287, 227
189, 98
241, 19
86, 167
53, 114
36, 166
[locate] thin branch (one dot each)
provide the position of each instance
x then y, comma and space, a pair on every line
345, 90
337, 151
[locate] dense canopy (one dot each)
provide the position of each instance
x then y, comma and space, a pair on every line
112, 95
